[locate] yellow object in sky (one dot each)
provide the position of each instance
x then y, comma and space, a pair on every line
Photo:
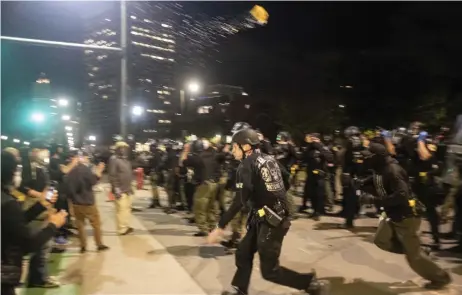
260, 14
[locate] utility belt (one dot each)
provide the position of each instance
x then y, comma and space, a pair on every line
417, 207
274, 218
424, 177
319, 172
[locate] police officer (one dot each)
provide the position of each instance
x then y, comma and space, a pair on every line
204, 162
317, 157
261, 183
155, 165
399, 226
286, 154
352, 168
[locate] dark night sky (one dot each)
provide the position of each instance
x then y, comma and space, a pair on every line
260, 60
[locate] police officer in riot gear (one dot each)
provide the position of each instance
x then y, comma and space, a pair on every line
352, 168
265, 144
317, 157
260, 183
399, 225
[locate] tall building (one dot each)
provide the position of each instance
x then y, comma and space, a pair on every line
151, 57
163, 42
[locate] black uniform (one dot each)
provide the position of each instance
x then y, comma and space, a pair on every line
260, 183
398, 231
317, 157
352, 168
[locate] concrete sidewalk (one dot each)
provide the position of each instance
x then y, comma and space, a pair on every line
163, 257
135, 264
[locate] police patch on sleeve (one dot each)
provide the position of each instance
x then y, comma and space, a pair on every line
270, 174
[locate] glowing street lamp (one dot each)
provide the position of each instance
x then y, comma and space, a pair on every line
92, 137
194, 87
137, 110
63, 102
38, 117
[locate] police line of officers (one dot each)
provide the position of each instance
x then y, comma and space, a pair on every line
400, 168
333, 164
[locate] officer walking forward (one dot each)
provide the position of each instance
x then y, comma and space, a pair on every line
261, 183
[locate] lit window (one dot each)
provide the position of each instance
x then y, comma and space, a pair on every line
132, 17
152, 56
159, 91
152, 46
105, 97
150, 36
166, 102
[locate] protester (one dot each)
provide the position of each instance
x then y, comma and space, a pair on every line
17, 238
80, 182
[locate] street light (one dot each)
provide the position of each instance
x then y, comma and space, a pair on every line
92, 137
16, 140
63, 102
26, 143
4, 137
66, 117
38, 117
137, 110
194, 87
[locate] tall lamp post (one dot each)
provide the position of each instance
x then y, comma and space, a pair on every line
122, 49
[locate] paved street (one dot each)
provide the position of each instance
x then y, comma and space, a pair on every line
162, 257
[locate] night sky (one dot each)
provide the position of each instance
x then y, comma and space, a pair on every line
392, 50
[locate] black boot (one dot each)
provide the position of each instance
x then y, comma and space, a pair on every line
234, 291
318, 287
154, 204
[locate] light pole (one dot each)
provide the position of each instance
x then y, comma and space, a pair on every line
122, 49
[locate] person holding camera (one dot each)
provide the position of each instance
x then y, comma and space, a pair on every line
17, 238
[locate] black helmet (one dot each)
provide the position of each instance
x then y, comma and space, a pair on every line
283, 135
240, 126
246, 136
352, 131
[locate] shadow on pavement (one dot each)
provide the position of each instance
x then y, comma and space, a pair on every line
356, 287
200, 251
336, 226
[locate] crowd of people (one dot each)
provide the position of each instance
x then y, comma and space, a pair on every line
248, 183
